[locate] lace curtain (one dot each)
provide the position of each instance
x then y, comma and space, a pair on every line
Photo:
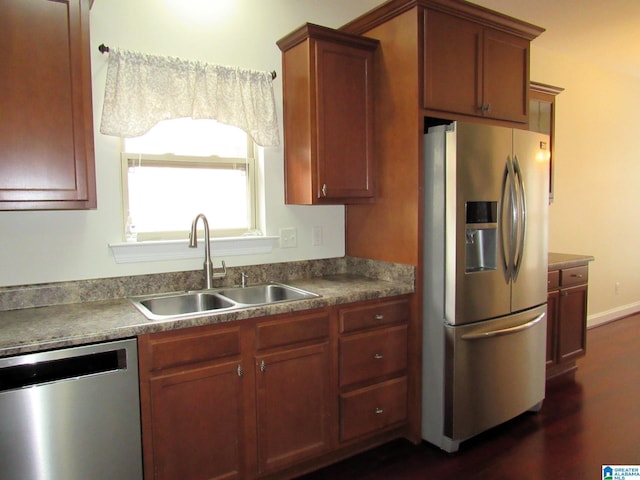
142, 90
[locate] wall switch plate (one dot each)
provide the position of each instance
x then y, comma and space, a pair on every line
288, 238
316, 236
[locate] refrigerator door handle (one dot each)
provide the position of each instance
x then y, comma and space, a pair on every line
502, 223
508, 220
504, 331
521, 225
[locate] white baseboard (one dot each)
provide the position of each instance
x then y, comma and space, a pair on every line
613, 314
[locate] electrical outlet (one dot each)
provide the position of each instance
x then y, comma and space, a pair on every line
288, 238
316, 236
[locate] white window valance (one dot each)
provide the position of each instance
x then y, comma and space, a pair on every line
142, 90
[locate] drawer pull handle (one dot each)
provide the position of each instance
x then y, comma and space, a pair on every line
379, 316
378, 356
379, 410
576, 275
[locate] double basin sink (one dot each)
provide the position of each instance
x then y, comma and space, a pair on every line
190, 304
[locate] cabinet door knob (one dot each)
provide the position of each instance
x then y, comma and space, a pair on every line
263, 366
379, 410
240, 371
379, 316
378, 356
324, 190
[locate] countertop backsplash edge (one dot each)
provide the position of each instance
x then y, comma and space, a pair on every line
80, 291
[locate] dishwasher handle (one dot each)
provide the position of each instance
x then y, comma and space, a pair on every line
47, 371
504, 331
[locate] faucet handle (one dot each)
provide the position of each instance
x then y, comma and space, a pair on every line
243, 279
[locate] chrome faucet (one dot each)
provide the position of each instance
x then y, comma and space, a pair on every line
209, 274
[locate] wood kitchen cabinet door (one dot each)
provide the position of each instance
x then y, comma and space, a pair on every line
566, 319
452, 64
505, 84
328, 86
197, 424
542, 118
46, 124
474, 70
193, 408
572, 332
293, 402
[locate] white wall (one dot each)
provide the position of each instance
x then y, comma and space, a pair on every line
41, 247
597, 177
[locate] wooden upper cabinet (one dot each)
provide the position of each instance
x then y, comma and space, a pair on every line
452, 64
474, 70
46, 127
328, 116
542, 118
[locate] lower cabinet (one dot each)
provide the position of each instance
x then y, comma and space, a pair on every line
567, 319
192, 404
199, 420
373, 367
269, 397
373, 408
293, 385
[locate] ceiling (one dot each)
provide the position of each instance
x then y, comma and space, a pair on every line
604, 32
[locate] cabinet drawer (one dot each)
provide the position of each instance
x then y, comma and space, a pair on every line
371, 355
195, 345
373, 408
574, 276
284, 331
373, 315
553, 280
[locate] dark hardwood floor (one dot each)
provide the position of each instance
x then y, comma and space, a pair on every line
583, 424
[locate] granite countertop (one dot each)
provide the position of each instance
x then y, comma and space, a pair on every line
42, 328
567, 260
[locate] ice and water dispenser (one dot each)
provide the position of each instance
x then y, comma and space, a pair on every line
481, 232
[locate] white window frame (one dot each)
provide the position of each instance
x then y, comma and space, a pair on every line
249, 164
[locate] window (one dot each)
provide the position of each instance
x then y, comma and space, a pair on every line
184, 167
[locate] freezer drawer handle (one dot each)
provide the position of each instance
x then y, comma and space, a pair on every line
504, 331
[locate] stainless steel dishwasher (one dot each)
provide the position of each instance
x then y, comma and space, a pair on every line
71, 414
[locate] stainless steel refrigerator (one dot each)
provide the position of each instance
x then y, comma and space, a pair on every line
485, 271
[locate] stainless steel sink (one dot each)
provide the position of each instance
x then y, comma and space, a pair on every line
192, 304
160, 307
265, 294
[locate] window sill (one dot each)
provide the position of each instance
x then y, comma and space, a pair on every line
132, 252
